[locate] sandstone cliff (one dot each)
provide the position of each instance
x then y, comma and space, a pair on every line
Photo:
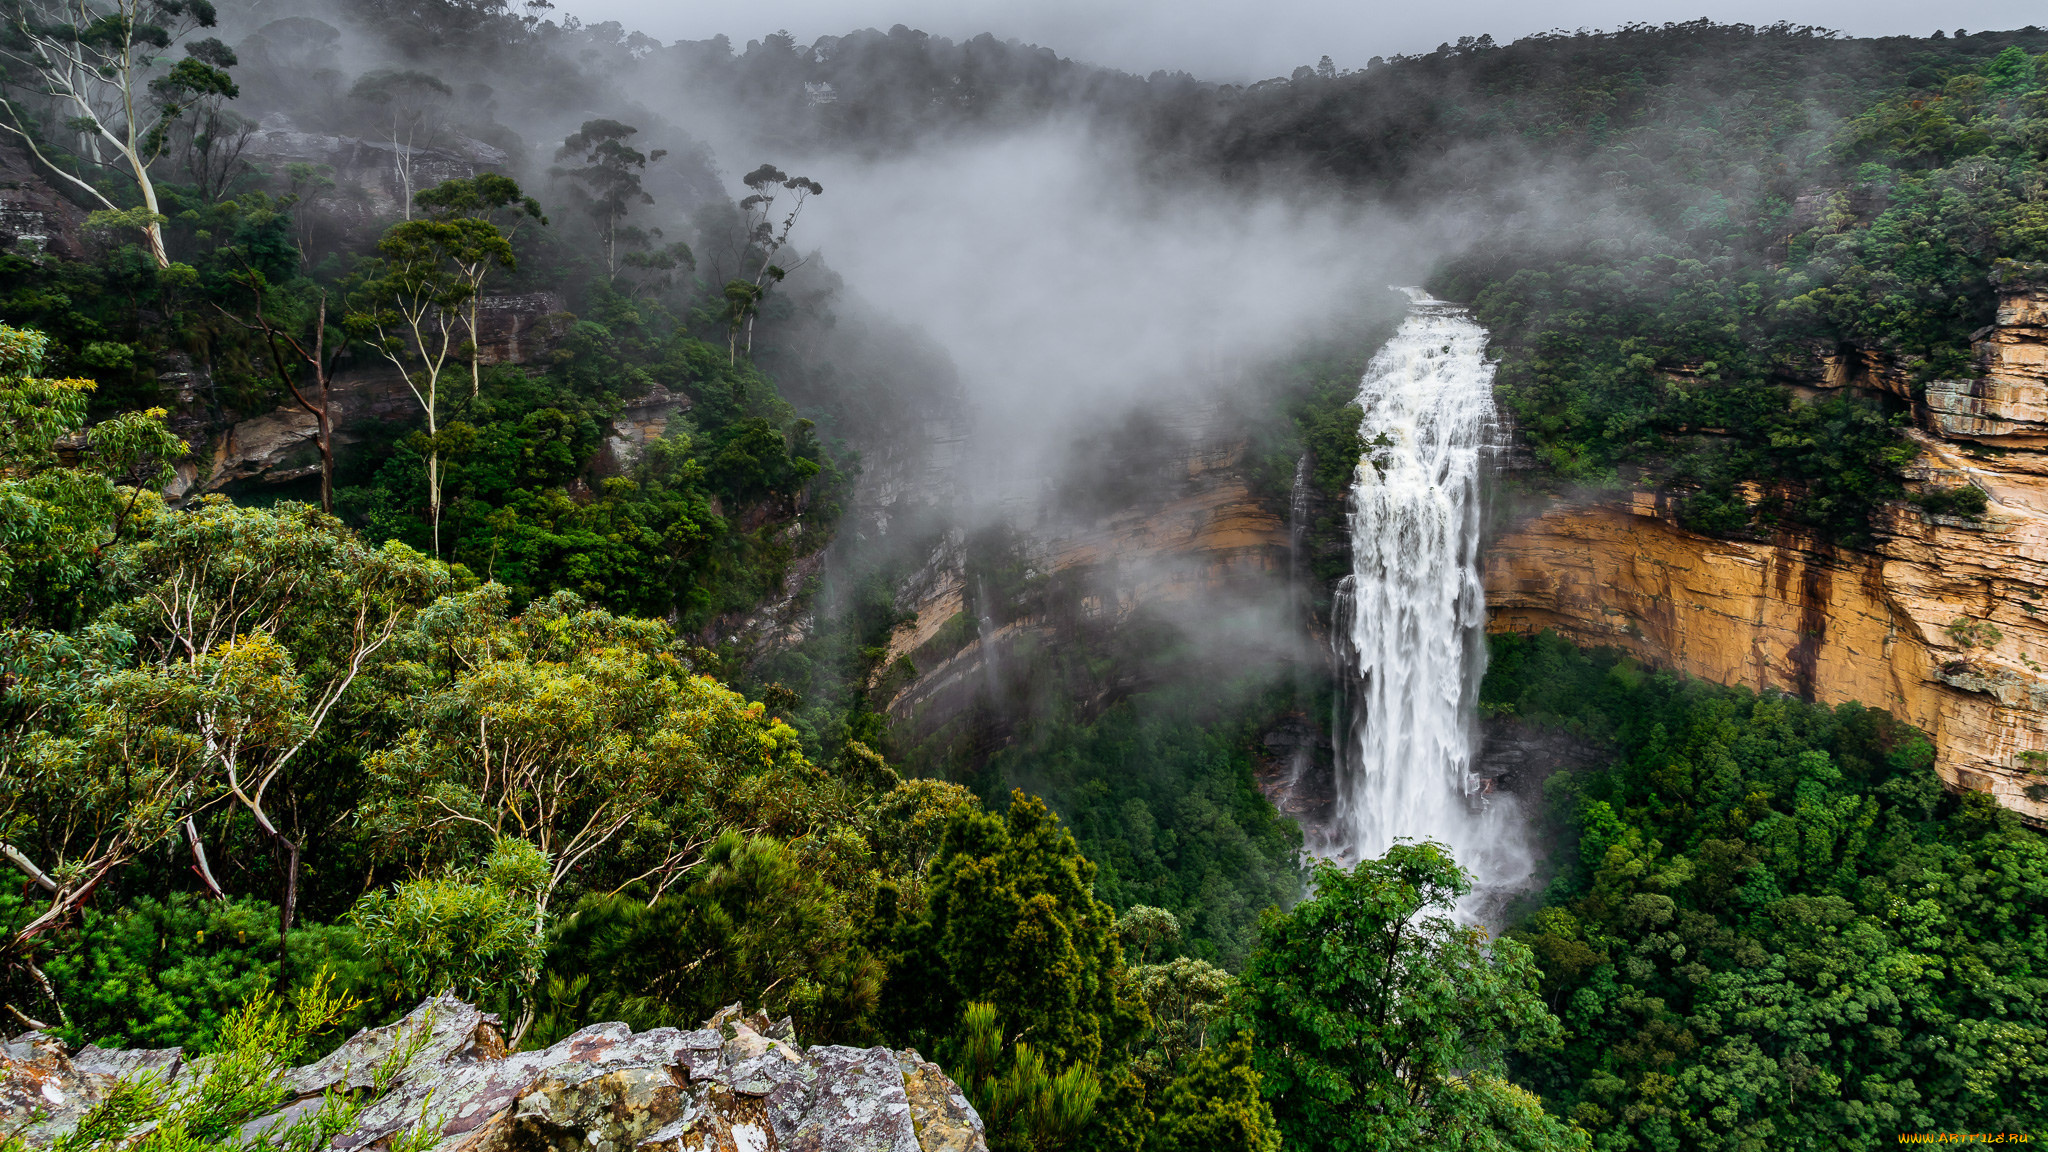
738, 1083
1944, 622
1199, 547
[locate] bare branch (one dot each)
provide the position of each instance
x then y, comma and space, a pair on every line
22, 862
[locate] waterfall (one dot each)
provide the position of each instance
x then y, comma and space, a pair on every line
1410, 619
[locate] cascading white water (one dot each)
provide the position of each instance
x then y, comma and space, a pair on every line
1411, 617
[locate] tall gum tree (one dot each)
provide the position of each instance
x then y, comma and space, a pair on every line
414, 307
759, 243
103, 68
411, 107
495, 200
562, 727
609, 181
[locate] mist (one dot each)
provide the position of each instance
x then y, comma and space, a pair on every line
1070, 290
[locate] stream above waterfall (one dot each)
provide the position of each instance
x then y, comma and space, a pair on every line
1410, 620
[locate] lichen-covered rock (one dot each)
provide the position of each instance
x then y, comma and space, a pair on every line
945, 1121
45, 1089
739, 1083
442, 1030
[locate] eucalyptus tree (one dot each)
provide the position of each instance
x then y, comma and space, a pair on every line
415, 304
250, 626
565, 728
759, 243
609, 181
411, 107
492, 199
104, 67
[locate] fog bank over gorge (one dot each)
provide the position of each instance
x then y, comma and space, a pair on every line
1070, 290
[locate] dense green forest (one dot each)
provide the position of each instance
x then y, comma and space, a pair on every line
480, 701
1776, 928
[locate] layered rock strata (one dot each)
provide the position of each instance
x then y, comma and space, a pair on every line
1943, 622
739, 1082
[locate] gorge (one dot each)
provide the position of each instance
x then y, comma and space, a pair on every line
540, 566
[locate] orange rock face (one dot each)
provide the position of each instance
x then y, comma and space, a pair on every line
1944, 623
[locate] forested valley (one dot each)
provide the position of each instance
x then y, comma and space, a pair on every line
461, 535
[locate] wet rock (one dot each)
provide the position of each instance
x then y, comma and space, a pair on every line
35, 219
1297, 772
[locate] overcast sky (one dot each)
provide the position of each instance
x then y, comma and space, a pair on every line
1253, 39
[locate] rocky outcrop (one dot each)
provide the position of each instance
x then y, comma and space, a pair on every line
369, 187
34, 217
1943, 622
738, 1083
641, 421
2006, 405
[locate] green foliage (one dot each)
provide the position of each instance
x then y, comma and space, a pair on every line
910, 823
1965, 632
609, 182
167, 973
1160, 794
1024, 1104
1778, 930
1589, 381
756, 926
1185, 997
700, 525
1142, 928
476, 933
485, 196
241, 1078
60, 519
511, 761
1661, 357
1216, 1104
1965, 500
1013, 923
36, 411
1380, 1022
